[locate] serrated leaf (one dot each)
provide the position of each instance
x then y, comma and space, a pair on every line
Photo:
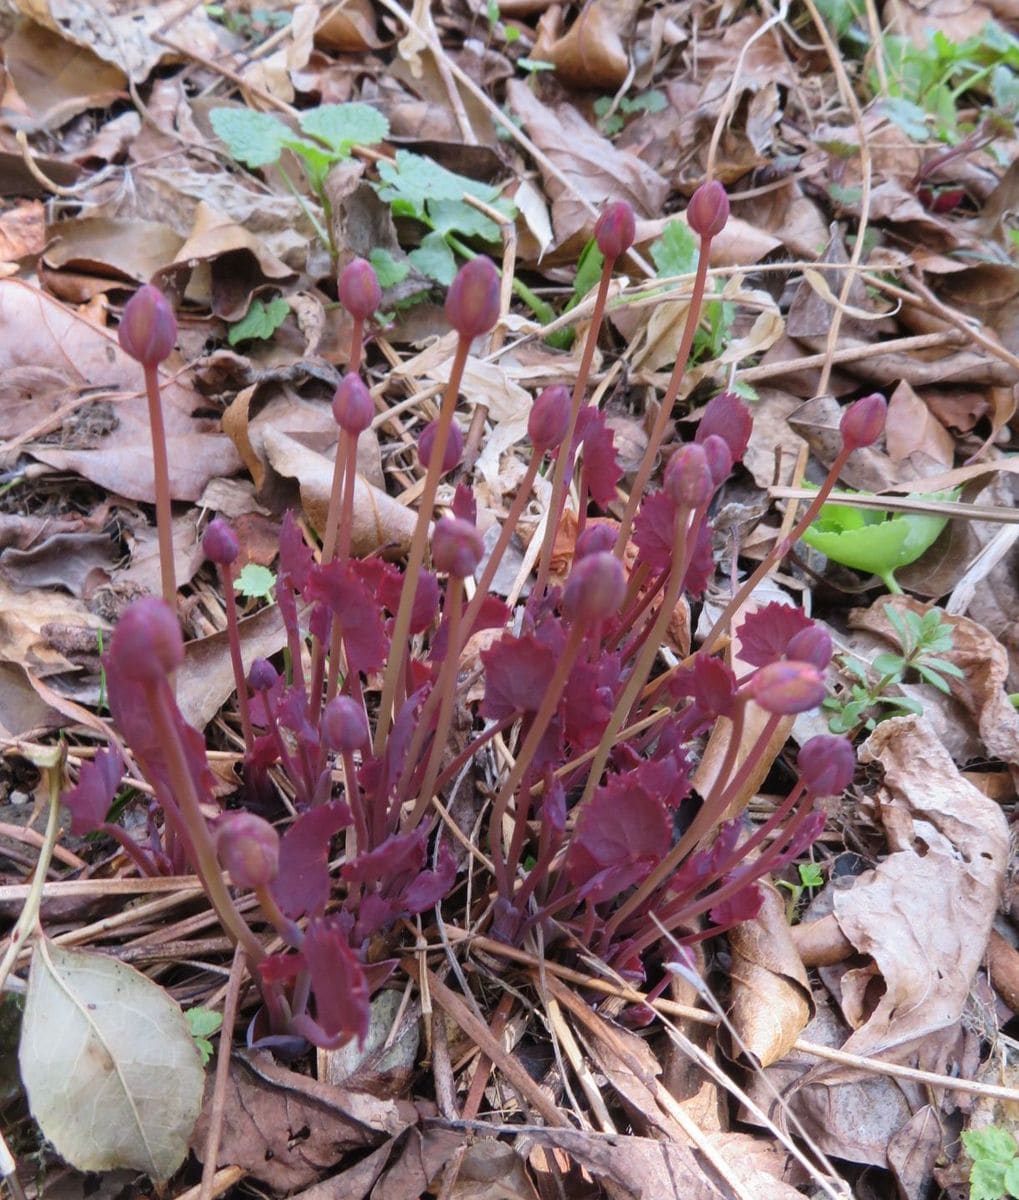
260, 321
456, 216
991, 1142
342, 126
111, 1070
675, 252
203, 1022
417, 182
253, 138
435, 259
987, 1181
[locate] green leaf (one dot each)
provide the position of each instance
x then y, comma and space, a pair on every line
933, 678
589, 270
990, 1143
873, 541
389, 270
675, 252
417, 181
253, 138
435, 259
1012, 1178
943, 666
987, 1180
342, 126
255, 581
260, 321
811, 875
456, 216
203, 1022
889, 664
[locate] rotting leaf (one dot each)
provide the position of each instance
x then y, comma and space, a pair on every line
111, 1069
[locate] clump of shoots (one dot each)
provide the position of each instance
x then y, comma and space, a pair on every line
148, 332
614, 234
472, 308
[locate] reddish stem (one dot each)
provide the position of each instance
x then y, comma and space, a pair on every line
233, 633
650, 457
419, 542
161, 480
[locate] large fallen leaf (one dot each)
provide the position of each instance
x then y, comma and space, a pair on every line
38, 329
111, 1069
925, 912
591, 54
595, 170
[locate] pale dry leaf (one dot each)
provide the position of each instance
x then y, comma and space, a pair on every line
109, 1064
135, 249
771, 1001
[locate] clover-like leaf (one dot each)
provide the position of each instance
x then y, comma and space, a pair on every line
873, 540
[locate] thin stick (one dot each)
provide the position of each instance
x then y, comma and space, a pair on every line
217, 1108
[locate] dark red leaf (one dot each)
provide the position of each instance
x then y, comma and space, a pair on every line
296, 558
338, 981
619, 837
353, 605
743, 906
90, 799
728, 417
518, 672
302, 885
600, 465
766, 632
386, 582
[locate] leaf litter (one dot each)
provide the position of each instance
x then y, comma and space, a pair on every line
613, 101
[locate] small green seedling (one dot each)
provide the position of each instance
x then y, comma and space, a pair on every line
922, 637
260, 322
255, 582
995, 1170
873, 540
203, 1023
612, 117
810, 877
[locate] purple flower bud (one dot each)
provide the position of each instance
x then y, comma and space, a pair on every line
358, 288
472, 302
147, 643
863, 422
596, 539
344, 725
708, 210
688, 477
457, 547
811, 645
220, 544
615, 229
785, 687
454, 445
719, 456
727, 417
148, 328
826, 764
262, 675
595, 588
550, 418
249, 849
353, 409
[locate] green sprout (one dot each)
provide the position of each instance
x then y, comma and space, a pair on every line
995, 1170
876, 541
203, 1023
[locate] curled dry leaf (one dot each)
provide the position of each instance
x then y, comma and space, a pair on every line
591, 54
924, 913
109, 1064
771, 1001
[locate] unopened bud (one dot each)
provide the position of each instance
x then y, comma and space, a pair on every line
708, 210
358, 289
811, 645
353, 409
615, 229
454, 445
457, 547
688, 477
719, 456
249, 849
472, 302
219, 543
596, 539
863, 422
785, 687
727, 417
147, 644
262, 675
826, 764
549, 418
595, 588
148, 328
344, 725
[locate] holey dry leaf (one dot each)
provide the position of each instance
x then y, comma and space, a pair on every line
111, 1070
